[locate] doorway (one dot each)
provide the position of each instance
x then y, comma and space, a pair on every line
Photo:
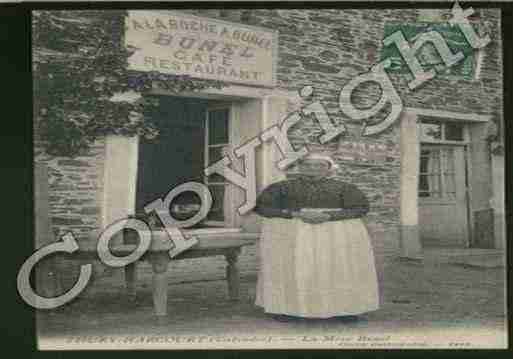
443, 201
193, 133
443, 184
251, 110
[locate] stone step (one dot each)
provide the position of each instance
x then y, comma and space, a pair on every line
472, 257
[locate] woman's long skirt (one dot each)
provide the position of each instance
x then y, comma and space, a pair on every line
316, 270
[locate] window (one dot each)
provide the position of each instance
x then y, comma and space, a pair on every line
437, 173
217, 141
433, 131
440, 140
453, 131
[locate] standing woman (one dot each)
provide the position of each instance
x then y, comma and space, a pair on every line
315, 252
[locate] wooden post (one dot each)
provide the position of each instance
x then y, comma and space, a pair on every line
159, 263
232, 274
130, 269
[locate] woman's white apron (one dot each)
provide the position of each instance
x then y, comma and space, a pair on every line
316, 270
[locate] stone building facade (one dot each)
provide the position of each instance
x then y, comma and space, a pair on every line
326, 48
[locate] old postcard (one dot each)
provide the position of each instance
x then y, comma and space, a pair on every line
268, 178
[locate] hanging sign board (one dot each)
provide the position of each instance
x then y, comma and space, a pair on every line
177, 43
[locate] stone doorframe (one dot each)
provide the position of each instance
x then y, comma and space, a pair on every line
121, 153
409, 239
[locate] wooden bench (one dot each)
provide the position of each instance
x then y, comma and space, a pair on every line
227, 244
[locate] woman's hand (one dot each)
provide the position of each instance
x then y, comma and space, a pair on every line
313, 217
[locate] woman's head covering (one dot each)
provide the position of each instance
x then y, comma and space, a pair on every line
322, 157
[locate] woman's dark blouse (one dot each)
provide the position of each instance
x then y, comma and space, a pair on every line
282, 198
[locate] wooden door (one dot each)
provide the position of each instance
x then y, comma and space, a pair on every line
443, 201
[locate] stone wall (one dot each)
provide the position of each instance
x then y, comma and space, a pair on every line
75, 190
324, 49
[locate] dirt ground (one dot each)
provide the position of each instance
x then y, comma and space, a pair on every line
428, 305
